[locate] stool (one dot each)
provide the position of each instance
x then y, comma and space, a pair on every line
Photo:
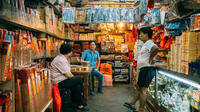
66, 105
65, 96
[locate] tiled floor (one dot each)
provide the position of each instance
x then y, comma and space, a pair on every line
112, 100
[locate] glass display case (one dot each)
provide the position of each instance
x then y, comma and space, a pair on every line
174, 92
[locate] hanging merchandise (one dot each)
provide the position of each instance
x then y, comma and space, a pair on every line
127, 14
69, 15
142, 9
88, 15
168, 43
115, 15
150, 4
80, 15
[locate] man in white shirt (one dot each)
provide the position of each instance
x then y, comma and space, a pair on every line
146, 70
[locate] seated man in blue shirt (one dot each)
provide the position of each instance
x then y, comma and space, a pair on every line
92, 56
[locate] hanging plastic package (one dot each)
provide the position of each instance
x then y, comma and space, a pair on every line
155, 16
68, 15
137, 14
95, 14
130, 15
106, 14
115, 15
88, 15
123, 15
142, 7
111, 10
100, 15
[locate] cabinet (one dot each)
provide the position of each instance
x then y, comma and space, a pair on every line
174, 92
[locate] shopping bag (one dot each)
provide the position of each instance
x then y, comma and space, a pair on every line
56, 98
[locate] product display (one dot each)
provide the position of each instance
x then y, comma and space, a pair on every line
175, 94
32, 31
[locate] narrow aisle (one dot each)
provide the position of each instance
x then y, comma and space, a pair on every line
112, 100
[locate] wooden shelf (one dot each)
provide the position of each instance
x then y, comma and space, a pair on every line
8, 22
83, 40
4, 82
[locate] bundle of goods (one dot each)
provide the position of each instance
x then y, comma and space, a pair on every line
108, 57
6, 101
85, 45
121, 57
91, 36
80, 15
107, 47
124, 71
106, 69
83, 37
5, 61
117, 70
195, 25
77, 48
185, 50
35, 86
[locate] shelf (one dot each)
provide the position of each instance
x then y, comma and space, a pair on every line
85, 32
121, 67
4, 82
121, 80
106, 60
41, 57
16, 24
121, 73
46, 106
83, 40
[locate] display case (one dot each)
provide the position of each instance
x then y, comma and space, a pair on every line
174, 92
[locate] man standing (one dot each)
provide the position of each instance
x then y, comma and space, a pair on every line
92, 56
146, 71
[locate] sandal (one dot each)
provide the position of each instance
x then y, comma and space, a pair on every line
129, 106
83, 109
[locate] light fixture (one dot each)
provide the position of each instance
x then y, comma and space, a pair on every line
121, 24
186, 81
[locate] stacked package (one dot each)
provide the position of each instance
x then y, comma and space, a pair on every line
186, 49
107, 47
190, 49
83, 37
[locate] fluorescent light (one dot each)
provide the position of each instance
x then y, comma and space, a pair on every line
186, 81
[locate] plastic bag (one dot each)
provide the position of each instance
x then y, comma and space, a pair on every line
56, 99
68, 15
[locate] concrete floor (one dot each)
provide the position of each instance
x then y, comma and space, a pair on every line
112, 100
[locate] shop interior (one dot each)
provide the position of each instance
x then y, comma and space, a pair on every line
32, 31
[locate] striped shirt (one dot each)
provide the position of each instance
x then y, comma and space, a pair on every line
59, 66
